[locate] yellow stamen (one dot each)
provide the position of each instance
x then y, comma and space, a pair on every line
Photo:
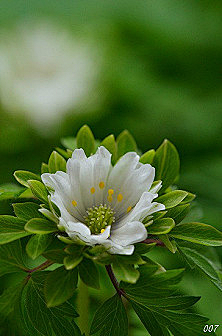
111, 192
92, 190
102, 230
74, 203
119, 197
110, 198
101, 185
129, 209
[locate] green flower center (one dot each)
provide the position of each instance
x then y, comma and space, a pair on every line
98, 218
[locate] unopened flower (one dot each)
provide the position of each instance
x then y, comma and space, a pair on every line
102, 204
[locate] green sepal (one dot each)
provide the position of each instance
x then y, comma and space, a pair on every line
125, 143
172, 198
148, 157
37, 245
39, 190
198, 233
23, 177
11, 228
161, 226
89, 273
110, 144
60, 285
56, 163
40, 226
85, 140
167, 164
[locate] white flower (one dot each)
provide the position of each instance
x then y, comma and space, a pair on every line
45, 72
101, 204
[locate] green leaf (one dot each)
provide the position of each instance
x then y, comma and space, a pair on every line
67, 154
60, 286
72, 261
148, 157
179, 212
8, 299
27, 210
23, 177
56, 163
125, 143
37, 245
46, 321
167, 164
125, 272
10, 191
202, 263
110, 319
89, 273
142, 248
40, 226
69, 142
172, 198
189, 198
44, 168
85, 140
11, 228
39, 190
161, 226
11, 258
56, 256
110, 144
198, 233
170, 244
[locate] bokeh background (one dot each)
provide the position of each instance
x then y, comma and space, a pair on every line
152, 67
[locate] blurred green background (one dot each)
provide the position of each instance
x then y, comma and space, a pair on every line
152, 67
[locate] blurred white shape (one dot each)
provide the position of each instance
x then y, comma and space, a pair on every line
45, 72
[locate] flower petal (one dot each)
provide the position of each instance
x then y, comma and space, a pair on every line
130, 233
118, 249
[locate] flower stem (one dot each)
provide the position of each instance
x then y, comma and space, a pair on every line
114, 281
41, 267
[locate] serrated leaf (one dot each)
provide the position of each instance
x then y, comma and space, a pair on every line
56, 163
40, 226
27, 210
60, 285
125, 143
198, 233
167, 164
89, 273
203, 264
179, 212
11, 228
7, 300
85, 140
148, 157
69, 142
39, 190
11, 258
23, 177
110, 319
37, 245
47, 321
110, 144
161, 226
172, 198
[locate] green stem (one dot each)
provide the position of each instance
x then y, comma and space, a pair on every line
83, 308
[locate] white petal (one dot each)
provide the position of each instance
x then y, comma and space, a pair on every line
118, 249
156, 188
130, 233
100, 238
78, 229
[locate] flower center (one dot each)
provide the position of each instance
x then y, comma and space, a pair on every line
98, 218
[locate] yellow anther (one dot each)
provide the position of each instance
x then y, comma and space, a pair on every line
74, 203
111, 192
110, 198
101, 185
119, 197
92, 190
102, 230
129, 209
